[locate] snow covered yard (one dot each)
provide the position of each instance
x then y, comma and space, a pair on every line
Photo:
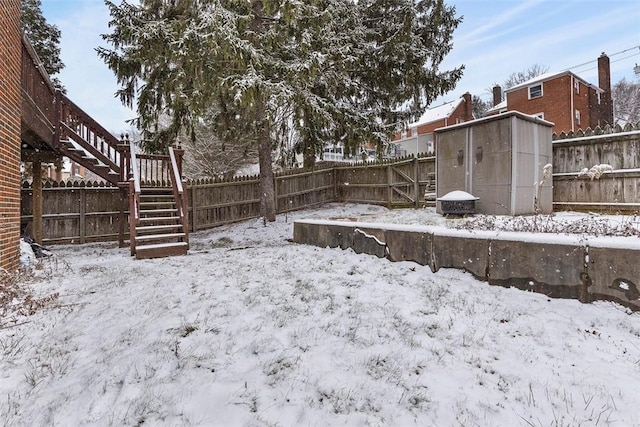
250, 329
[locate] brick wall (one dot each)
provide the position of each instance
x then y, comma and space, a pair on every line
10, 111
559, 101
555, 102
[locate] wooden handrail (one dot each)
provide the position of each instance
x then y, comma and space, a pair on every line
134, 168
134, 198
88, 129
176, 171
178, 191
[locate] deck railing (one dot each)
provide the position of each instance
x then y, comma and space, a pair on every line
38, 94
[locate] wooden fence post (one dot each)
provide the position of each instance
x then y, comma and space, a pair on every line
389, 185
416, 181
37, 201
82, 212
122, 218
193, 201
275, 191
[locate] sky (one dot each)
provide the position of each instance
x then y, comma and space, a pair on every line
495, 39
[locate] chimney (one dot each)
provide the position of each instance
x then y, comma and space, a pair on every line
468, 107
604, 82
497, 95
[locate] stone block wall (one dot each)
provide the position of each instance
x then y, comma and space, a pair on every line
557, 266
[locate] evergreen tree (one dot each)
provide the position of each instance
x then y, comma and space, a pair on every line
44, 37
324, 70
480, 107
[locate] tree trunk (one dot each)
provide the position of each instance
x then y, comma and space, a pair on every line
267, 193
309, 156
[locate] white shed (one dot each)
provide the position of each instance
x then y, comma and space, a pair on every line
501, 160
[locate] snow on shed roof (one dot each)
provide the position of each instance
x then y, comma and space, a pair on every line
438, 113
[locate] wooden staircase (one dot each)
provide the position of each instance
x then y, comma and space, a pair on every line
158, 223
159, 232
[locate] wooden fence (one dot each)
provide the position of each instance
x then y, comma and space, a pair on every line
85, 212
81, 212
617, 190
74, 212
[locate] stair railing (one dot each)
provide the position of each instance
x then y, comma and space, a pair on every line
77, 125
179, 185
134, 198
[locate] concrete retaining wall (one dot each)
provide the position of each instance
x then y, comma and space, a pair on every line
558, 266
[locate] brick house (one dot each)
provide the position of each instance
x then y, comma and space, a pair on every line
10, 113
563, 98
418, 137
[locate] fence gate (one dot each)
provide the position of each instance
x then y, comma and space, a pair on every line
404, 186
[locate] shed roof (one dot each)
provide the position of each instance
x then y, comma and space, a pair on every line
500, 116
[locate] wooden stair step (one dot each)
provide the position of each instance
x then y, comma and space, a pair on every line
92, 160
158, 211
161, 250
160, 196
155, 237
155, 219
150, 203
156, 190
157, 228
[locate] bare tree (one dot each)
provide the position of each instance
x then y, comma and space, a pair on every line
207, 155
626, 102
522, 76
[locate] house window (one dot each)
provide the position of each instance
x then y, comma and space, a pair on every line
403, 134
539, 115
414, 131
578, 117
535, 91
576, 85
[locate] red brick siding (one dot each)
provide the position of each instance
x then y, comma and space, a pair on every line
430, 127
10, 112
556, 103
462, 113
580, 103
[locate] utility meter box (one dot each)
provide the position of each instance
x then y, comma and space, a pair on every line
503, 160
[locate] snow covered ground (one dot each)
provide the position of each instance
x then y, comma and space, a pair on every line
250, 329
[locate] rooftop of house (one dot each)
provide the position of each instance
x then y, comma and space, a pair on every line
550, 76
437, 113
498, 107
